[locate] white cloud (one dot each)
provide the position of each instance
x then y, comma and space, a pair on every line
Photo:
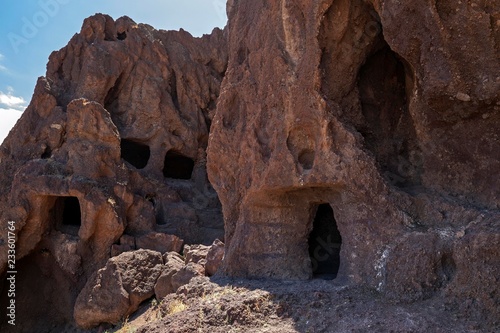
10, 101
11, 109
2, 67
8, 118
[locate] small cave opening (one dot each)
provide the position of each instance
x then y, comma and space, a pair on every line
47, 153
301, 143
121, 35
177, 166
135, 153
112, 101
324, 244
67, 215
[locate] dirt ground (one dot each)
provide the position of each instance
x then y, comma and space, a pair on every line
221, 305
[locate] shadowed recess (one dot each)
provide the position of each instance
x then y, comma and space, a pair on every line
47, 153
324, 244
389, 131
135, 153
67, 215
177, 166
121, 35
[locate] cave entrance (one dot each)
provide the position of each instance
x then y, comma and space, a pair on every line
177, 166
384, 82
135, 153
67, 215
324, 244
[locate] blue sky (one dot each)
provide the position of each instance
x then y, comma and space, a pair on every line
31, 29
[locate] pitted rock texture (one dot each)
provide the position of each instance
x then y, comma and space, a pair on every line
350, 140
173, 264
116, 290
385, 111
215, 256
110, 156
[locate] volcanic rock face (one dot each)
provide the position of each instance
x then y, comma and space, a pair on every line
386, 111
110, 155
348, 139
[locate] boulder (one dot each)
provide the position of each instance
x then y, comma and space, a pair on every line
186, 273
196, 254
173, 263
160, 242
116, 290
214, 258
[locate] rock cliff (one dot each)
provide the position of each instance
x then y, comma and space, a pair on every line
350, 140
362, 135
110, 156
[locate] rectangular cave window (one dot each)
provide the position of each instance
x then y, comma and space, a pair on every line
135, 153
177, 166
67, 215
324, 244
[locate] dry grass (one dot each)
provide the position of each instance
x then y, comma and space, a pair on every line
229, 290
176, 306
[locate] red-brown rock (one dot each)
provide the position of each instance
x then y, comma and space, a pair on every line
127, 243
173, 263
160, 242
196, 254
379, 117
214, 258
116, 290
186, 273
113, 143
348, 139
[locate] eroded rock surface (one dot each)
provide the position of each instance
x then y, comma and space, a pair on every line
350, 140
214, 258
196, 253
110, 156
116, 290
379, 117
173, 263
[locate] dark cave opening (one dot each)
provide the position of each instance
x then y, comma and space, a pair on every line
135, 153
44, 294
67, 215
121, 35
47, 153
177, 166
324, 244
384, 82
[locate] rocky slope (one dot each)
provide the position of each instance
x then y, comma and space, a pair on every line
347, 140
289, 307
